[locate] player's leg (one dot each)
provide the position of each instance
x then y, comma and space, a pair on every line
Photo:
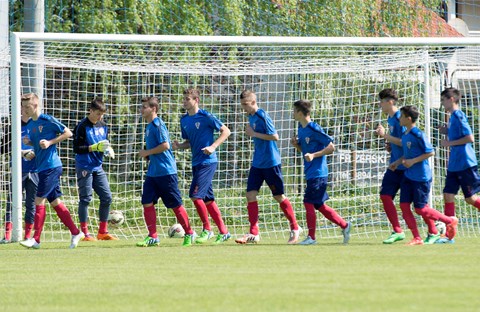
150, 196
8, 217
452, 185
195, 194
390, 186
85, 194
470, 183
102, 188
30, 186
406, 198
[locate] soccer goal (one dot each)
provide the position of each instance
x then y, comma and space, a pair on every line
342, 76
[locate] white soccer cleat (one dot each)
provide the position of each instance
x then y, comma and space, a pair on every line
294, 235
76, 239
308, 241
248, 239
30, 243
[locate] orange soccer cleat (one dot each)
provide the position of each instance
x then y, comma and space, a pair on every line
106, 236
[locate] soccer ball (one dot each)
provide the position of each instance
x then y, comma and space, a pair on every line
441, 227
176, 231
116, 218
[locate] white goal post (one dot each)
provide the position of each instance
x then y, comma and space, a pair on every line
341, 75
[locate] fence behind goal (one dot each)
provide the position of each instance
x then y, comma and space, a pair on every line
342, 76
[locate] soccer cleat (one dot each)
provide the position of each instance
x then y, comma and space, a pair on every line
308, 241
415, 241
76, 239
431, 238
30, 243
149, 242
106, 236
248, 239
5, 241
221, 238
444, 240
88, 238
394, 237
204, 236
188, 239
294, 235
452, 228
346, 233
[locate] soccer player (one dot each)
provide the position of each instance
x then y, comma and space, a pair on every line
315, 144
462, 164
266, 166
391, 179
161, 180
417, 179
44, 133
29, 185
90, 144
198, 127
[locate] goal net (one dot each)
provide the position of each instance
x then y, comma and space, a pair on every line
341, 78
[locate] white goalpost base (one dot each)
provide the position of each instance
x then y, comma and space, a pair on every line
342, 76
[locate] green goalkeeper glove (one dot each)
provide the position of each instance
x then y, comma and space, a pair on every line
100, 146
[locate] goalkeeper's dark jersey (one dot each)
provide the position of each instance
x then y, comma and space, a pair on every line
85, 134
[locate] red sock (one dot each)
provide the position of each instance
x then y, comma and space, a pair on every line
311, 219
28, 230
287, 209
476, 204
84, 227
449, 209
252, 208
409, 219
433, 214
150, 216
102, 229
432, 229
332, 215
8, 230
182, 218
391, 211
39, 221
217, 216
202, 213
66, 218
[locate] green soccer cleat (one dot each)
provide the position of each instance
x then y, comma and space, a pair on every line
221, 238
204, 236
149, 242
394, 237
188, 239
431, 239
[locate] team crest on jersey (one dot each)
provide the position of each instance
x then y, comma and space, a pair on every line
40, 128
254, 126
409, 144
197, 125
84, 173
100, 131
307, 139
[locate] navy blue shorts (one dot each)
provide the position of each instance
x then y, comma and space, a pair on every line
468, 179
391, 182
273, 177
164, 187
414, 191
201, 186
316, 191
49, 184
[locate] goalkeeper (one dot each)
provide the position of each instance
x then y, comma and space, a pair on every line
90, 144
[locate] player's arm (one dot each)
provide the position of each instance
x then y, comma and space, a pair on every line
412, 161
462, 141
65, 135
224, 134
381, 132
326, 151
263, 136
177, 145
162, 147
393, 166
80, 145
294, 142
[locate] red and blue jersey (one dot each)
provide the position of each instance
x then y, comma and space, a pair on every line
266, 153
161, 164
461, 156
396, 130
85, 134
415, 143
27, 165
198, 129
312, 139
45, 127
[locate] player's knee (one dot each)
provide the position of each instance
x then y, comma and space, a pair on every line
85, 199
106, 200
471, 200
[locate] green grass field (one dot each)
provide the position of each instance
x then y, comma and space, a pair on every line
270, 276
